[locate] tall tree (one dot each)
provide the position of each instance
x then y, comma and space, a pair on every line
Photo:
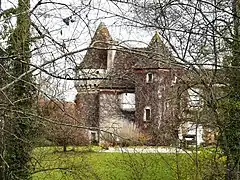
18, 124
231, 131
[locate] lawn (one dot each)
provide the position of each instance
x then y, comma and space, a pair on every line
51, 164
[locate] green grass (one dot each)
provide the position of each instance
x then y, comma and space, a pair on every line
50, 163
84, 163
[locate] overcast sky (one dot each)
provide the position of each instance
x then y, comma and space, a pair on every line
76, 34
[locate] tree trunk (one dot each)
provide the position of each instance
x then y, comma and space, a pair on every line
18, 142
64, 148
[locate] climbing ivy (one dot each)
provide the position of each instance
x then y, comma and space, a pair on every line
20, 127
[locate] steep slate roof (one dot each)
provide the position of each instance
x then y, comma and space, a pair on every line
97, 58
122, 75
157, 55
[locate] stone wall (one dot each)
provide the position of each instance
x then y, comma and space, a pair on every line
112, 120
160, 98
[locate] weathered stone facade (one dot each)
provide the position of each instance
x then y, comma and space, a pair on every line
159, 98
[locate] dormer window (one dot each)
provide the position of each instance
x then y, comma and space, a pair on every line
147, 114
149, 78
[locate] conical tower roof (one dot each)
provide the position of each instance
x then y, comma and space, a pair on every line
101, 34
159, 49
158, 55
155, 41
96, 56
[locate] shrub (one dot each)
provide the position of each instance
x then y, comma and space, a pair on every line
207, 164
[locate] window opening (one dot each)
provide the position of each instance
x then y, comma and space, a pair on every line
93, 137
147, 114
194, 98
149, 77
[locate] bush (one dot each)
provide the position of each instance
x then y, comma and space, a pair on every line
42, 142
208, 164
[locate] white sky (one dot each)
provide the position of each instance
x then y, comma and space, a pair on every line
77, 35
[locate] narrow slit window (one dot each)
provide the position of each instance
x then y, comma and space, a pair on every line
149, 77
147, 114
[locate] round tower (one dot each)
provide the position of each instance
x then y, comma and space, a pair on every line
91, 72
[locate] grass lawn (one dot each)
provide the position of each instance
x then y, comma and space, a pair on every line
80, 164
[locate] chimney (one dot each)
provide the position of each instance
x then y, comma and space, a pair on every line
111, 55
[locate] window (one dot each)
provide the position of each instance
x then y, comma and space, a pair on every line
147, 114
174, 81
127, 101
192, 132
194, 98
149, 78
93, 137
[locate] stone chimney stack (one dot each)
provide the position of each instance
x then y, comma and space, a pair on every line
111, 55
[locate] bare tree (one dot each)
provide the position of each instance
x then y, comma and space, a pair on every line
62, 113
201, 44
201, 34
